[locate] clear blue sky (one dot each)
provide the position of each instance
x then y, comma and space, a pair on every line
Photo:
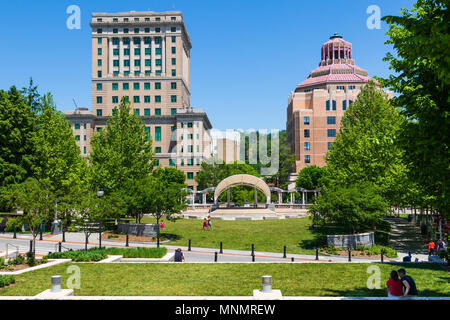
246, 57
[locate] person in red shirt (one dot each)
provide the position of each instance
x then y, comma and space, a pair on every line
394, 285
431, 247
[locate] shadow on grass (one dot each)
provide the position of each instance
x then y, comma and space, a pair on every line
171, 236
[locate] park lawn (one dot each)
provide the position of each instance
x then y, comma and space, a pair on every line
266, 235
155, 279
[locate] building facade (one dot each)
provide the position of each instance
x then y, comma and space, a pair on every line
144, 57
317, 105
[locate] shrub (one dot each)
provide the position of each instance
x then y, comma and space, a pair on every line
6, 280
30, 260
443, 254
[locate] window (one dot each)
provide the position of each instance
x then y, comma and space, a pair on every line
137, 41
136, 86
157, 99
173, 29
307, 146
99, 129
190, 162
328, 105
147, 40
174, 50
136, 30
174, 39
99, 30
157, 50
99, 74
350, 102
158, 62
171, 163
157, 133
77, 126
115, 63
84, 150
306, 120
115, 86
148, 51
331, 133
158, 40
136, 112
125, 30
157, 85
331, 120
157, 112
174, 61
146, 30
329, 145
115, 52
173, 99
125, 86
99, 87
99, 51
127, 99
173, 18
114, 112
137, 51
146, 99
191, 148
306, 133
115, 30
137, 63
126, 63
136, 99
158, 150
307, 158
147, 86
99, 100
115, 41
99, 62
173, 111
344, 105
136, 73
174, 72
147, 133
126, 41
173, 85
148, 62
158, 19
84, 137
157, 30
99, 112
189, 125
99, 40
146, 112
190, 136
125, 19
334, 104
126, 52
190, 175
115, 99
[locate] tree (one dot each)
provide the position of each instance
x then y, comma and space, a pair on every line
311, 177
37, 201
357, 207
366, 147
166, 195
420, 37
17, 127
121, 153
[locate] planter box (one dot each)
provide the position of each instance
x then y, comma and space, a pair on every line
138, 229
346, 241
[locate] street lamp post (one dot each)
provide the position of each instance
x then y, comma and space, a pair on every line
100, 193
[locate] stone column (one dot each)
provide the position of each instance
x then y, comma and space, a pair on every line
120, 57
280, 198
163, 56
142, 58
255, 197
303, 198
204, 198
228, 197
110, 57
292, 194
152, 56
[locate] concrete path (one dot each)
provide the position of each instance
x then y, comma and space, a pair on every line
75, 241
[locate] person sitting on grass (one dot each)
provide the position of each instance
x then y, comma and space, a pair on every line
394, 285
179, 256
410, 289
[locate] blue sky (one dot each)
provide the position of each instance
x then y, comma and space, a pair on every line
246, 57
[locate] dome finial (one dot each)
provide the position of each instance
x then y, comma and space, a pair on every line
336, 35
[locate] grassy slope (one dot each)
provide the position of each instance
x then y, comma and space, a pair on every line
229, 279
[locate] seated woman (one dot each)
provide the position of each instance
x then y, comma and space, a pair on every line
394, 285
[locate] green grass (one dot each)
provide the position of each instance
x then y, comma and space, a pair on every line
266, 235
229, 279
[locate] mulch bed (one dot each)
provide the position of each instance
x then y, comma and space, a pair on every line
358, 254
131, 237
17, 267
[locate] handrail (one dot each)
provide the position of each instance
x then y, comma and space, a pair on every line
10, 244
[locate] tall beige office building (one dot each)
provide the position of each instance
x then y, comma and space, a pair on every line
145, 57
317, 105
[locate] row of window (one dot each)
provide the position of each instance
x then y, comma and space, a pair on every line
137, 51
333, 104
307, 146
137, 30
137, 99
136, 19
308, 157
136, 86
147, 112
136, 40
331, 133
330, 120
136, 73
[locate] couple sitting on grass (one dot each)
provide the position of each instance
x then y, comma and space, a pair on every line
403, 287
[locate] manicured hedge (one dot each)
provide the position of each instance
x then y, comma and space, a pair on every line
96, 254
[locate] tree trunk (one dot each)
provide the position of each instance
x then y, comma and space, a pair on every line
86, 243
157, 233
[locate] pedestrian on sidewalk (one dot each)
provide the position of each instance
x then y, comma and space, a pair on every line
409, 286
431, 247
394, 285
162, 225
179, 256
440, 245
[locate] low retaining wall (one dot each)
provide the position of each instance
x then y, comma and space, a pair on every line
138, 229
346, 241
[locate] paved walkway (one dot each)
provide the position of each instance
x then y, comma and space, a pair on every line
197, 255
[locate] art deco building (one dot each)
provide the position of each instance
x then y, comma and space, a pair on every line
145, 57
317, 105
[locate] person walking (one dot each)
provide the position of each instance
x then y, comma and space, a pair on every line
440, 245
179, 256
409, 285
394, 285
431, 247
209, 222
162, 225
205, 224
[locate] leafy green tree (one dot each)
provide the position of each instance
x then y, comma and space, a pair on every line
37, 201
121, 153
17, 127
366, 147
357, 207
311, 177
166, 195
420, 37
